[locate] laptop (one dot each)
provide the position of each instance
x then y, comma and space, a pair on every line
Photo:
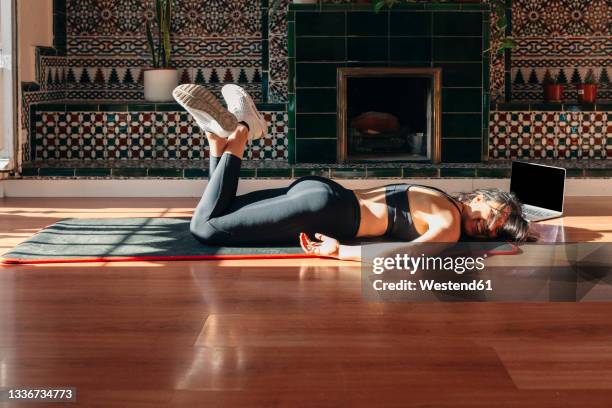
540, 188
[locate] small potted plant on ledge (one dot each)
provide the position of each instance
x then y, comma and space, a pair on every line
161, 79
587, 90
553, 90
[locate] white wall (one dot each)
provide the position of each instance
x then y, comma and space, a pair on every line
35, 19
35, 25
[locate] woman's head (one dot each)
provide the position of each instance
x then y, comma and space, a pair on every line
492, 214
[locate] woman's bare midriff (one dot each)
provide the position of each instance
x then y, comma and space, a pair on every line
374, 213
373, 208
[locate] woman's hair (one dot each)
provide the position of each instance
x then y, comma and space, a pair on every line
516, 226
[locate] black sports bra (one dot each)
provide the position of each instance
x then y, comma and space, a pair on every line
400, 224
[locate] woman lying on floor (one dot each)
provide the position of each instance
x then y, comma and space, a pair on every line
321, 208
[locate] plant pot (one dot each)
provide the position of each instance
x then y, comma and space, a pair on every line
587, 93
305, 1
159, 84
553, 93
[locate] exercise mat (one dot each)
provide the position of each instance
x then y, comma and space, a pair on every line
131, 239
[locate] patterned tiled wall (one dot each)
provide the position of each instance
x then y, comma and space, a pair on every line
567, 36
100, 50
550, 134
135, 135
214, 42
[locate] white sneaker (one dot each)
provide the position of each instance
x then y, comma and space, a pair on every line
209, 113
242, 106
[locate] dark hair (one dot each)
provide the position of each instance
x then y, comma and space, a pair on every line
516, 226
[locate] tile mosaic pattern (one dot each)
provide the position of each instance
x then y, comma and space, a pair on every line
278, 53
550, 135
497, 70
566, 36
27, 99
215, 42
173, 135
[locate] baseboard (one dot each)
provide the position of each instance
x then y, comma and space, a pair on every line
194, 188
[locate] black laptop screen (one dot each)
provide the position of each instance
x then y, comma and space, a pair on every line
537, 185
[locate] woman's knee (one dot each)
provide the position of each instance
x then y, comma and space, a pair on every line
204, 232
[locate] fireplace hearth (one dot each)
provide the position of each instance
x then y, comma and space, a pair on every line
389, 114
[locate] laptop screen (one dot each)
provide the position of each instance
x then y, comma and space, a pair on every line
541, 186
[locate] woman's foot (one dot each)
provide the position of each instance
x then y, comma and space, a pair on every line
236, 143
216, 144
242, 106
209, 113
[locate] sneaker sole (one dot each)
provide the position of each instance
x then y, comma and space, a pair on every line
263, 125
200, 98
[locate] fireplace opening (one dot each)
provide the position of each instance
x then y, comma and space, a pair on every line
388, 114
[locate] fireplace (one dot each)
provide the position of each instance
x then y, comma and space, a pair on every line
389, 114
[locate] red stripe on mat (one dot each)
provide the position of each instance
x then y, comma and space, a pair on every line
24, 261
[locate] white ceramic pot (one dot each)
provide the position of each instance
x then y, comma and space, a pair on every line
159, 84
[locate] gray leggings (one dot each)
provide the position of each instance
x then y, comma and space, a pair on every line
273, 216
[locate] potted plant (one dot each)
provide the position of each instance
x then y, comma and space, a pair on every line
587, 91
161, 79
553, 90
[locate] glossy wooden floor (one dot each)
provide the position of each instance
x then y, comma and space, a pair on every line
285, 334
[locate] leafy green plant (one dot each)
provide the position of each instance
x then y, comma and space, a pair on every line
498, 36
590, 77
160, 48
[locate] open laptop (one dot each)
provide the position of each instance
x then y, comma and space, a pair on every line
540, 188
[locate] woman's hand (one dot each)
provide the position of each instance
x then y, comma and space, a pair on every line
324, 246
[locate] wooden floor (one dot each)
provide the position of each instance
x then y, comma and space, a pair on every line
285, 333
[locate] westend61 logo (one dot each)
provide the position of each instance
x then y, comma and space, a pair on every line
413, 264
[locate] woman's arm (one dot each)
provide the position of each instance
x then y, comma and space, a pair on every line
437, 235
330, 247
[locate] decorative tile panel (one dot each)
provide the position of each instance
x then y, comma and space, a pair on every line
569, 37
550, 135
214, 42
141, 135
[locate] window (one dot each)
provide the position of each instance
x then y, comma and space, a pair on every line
7, 95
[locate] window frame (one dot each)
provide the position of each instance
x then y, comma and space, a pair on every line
8, 77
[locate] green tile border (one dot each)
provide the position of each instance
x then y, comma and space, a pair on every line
93, 172
452, 172
348, 172
410, 172
56, 172
165, 173
542, 106
306, 171
493, 173
195, 173
273, 173
29, 172
384, 172
362, 171
127, 106
129, 172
